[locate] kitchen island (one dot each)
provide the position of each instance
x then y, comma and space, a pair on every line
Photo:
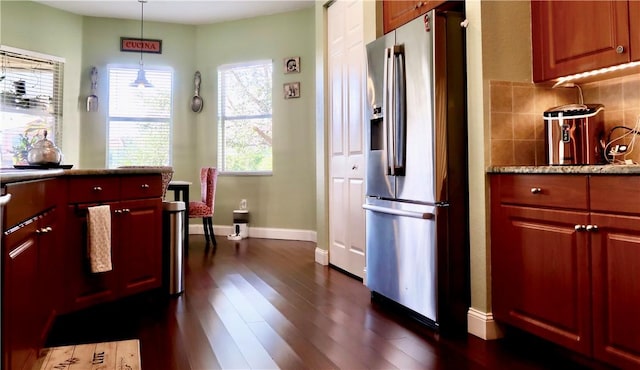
44, 247
565, 256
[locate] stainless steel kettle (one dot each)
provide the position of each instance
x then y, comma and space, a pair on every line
44, 153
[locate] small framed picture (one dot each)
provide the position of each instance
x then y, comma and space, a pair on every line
292, 90
292, 65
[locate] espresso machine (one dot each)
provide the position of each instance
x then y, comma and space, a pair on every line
573, 134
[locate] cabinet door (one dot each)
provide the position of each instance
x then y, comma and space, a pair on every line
139, 253
634, 27
540, 273
20, 300
395, 13
616, 289
84, 287
50, 271
570, 37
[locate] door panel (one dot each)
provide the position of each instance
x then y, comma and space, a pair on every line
540, 273
140, 245
570, 37
616, 289
346, 90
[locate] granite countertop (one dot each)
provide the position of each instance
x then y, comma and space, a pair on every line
8, 175
606, 169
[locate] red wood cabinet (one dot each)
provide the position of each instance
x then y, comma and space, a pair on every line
30, 271
568, 272
84, 288
136, 238
570, 37
634, 27
539, 263
615, 254
140, 245
396, 13
43, 276
20, 299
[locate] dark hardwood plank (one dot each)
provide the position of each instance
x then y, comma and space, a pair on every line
266, 304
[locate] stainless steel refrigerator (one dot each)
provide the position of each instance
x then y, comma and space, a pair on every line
416, 183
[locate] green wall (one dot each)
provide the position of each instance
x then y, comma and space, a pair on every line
285, 200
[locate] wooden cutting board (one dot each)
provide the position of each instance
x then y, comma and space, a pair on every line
121, 355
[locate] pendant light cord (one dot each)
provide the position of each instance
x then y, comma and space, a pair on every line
141, 31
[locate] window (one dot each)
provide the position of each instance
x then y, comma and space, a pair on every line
244, 118
139, 131
30, 102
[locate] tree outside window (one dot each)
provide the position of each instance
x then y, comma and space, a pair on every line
245, 117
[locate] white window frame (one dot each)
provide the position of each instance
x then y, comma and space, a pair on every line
222, 117
51, 110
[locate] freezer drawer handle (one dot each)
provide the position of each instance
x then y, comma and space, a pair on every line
399, 212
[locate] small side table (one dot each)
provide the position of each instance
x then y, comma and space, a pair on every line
181, 193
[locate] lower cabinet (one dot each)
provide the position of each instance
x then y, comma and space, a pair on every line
45, 270
615, 269
19, 297
565, 260
30, 271
136, 239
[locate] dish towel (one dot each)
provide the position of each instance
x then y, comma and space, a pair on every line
99, 238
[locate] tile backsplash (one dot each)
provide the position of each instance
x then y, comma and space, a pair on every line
517, 127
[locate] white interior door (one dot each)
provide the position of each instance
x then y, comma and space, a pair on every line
346, 124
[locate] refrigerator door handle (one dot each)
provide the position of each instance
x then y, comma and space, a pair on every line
388, 107
400, 113
399, 212
394, 108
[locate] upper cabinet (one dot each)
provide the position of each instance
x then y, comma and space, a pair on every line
570, 37
634, 27
397, 13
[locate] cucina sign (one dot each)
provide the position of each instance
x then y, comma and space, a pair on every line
141, 45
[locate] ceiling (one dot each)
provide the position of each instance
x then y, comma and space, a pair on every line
179, 11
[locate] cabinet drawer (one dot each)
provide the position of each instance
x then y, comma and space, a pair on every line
93, 189
28, 199
617, 194
544, 190
136, 187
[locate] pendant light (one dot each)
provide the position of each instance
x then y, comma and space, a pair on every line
141, 81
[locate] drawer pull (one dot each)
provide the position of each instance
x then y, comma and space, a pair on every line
580, 227
418, 5
97, 188
126, 210
145, 186
592, 227
536, 190
117, 211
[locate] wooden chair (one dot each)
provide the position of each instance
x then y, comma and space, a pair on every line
204, 209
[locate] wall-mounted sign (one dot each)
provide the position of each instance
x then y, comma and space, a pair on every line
141, 45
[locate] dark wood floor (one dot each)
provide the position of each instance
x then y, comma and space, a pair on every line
266, 304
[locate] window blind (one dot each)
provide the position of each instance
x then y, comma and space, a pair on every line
139, 119
31, 90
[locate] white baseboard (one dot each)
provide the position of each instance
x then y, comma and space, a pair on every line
260, 232
481, 324
322, 256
